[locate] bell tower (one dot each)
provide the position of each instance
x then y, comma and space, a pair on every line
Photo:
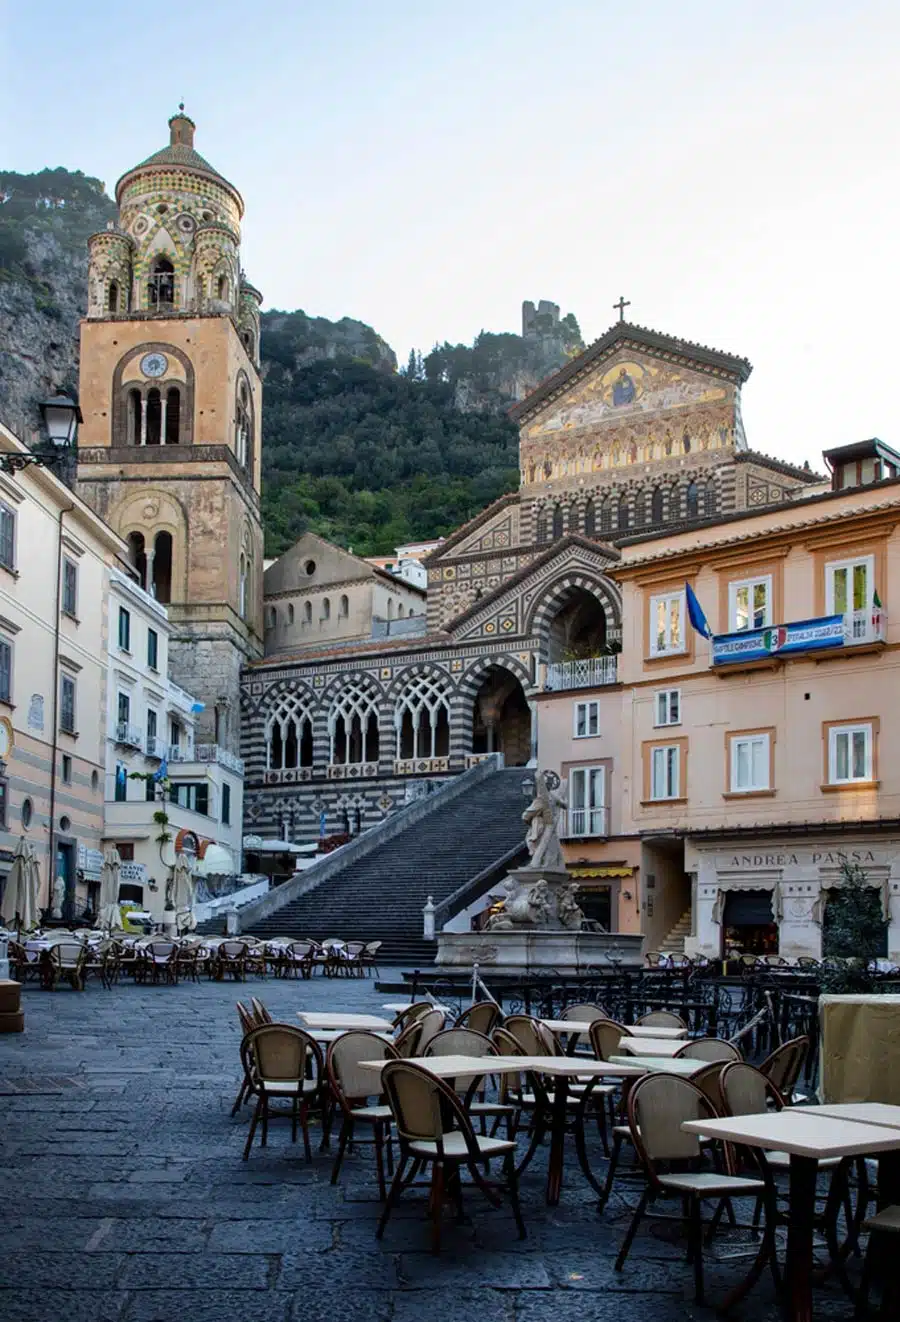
169, 452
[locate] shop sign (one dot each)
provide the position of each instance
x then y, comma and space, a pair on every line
133, 872
790, 858
90, 861
779, 640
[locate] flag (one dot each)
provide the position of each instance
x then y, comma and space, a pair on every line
197, 708
876, 612
162, 770
695, 612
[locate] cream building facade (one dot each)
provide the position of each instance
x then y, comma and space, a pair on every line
56, 558
155, 764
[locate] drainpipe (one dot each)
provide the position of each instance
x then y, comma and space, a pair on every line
51, 863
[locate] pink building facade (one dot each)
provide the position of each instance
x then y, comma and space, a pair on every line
717, 785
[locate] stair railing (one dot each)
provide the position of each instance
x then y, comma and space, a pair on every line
366, 843
470, 890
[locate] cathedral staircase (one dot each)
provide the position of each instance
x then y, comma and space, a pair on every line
380, 889
674, 942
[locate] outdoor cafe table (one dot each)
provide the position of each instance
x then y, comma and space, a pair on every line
809, 1136
345, 1022
649, 1046
559, 1068
662, 1064
326, 1036
400, 1007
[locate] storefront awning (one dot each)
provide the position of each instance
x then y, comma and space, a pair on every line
620, 871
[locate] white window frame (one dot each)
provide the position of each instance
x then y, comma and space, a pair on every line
835, 565
124, 617
589, 708
590, 818
668, 757
760, 580
675, 636
763, 780
835, 733
665, 703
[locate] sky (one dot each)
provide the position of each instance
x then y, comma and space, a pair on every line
730, 168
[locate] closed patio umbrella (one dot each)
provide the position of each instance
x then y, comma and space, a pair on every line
14, 898
110, 915
31, 912
183, 896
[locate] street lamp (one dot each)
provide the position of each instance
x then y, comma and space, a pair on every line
61, 417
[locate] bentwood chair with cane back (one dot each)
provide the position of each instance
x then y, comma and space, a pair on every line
482, 1017
351, 1087
430, 1025
784, 1065
434, 1129
412, 1014
283, 1062
407, 1042
673, 1165
661, 1019
708, 1048
466, 1042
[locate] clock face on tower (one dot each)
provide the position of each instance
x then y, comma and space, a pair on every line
154, 364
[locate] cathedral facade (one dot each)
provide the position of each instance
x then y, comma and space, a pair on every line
640, 431
169, 452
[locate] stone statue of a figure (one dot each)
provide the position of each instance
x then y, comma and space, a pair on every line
59, 897
542, 819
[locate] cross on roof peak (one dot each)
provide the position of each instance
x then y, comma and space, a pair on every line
622, 304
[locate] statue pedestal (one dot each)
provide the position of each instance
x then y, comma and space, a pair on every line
540, 950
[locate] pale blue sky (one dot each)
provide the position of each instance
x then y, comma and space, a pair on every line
730, 168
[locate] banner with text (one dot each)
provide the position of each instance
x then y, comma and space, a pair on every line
778, 640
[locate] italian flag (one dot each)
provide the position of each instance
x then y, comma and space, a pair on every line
876, 611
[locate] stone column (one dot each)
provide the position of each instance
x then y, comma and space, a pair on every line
707, 939
143, 420
798, 932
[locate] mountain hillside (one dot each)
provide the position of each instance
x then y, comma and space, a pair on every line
352, 448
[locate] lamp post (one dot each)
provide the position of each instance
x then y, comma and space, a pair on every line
61, 417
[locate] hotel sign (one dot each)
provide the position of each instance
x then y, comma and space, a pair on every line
779, 640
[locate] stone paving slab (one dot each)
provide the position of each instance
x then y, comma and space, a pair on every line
126, 1199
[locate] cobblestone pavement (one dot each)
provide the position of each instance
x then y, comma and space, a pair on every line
125, 1198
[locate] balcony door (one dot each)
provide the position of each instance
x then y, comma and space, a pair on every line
587, 801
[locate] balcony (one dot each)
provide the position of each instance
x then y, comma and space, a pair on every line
207, 754
154, 746
585, 823
590, 673
129, 735
779, 642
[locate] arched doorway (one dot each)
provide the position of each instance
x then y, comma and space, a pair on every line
501, 718
578, 629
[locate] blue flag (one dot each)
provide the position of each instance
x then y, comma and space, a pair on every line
162, 770
695, 612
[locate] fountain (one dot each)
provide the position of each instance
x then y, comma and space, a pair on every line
540, 926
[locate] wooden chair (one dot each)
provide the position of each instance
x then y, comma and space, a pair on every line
283, 1062
65, 959
297, 959
433, 1129
884, 1242
671, 1159
231, 958
430, 1025
369, 958
412, 1014
351, 1087
605, 1037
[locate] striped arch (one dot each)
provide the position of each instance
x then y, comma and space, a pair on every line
474, 676
554, 596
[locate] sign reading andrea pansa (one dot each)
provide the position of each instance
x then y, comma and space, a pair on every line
779, 640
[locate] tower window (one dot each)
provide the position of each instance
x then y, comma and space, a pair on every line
692, 500
162, 568
139, 557
173, 415
307, 612
112, 301
590, 519
154, 417
290, 614
134, 417
222, 288
242, 588
557, 522
624, 513
161, 284
326, 608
